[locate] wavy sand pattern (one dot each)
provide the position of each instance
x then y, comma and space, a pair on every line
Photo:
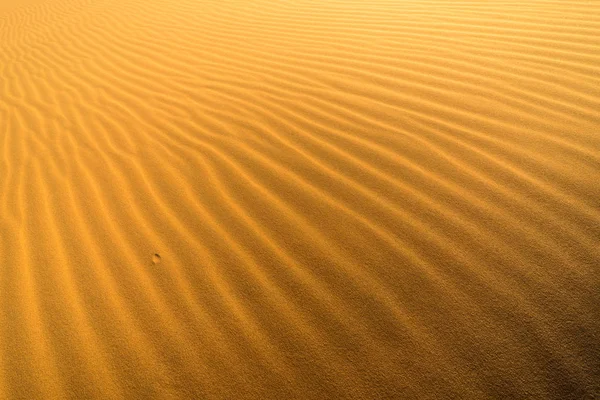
299, 199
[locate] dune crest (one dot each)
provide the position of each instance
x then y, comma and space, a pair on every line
303, 199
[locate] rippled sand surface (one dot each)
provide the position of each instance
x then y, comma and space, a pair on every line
299, 199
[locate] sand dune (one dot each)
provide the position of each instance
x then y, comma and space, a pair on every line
299, 199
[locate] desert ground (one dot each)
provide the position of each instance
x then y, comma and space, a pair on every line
299, 199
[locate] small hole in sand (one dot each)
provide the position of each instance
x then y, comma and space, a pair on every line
156, 259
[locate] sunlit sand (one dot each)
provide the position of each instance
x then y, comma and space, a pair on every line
299, 199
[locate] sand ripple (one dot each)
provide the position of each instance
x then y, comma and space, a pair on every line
299, 199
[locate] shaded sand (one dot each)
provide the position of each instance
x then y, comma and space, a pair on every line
299, 199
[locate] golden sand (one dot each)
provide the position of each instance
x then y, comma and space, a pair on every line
301, 199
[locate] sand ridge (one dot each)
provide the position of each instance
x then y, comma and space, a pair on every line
301, 199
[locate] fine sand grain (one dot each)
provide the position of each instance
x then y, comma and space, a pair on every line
299, 199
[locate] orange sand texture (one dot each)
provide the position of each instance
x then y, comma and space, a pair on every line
299, 199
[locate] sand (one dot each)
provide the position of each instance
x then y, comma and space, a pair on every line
299, 199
